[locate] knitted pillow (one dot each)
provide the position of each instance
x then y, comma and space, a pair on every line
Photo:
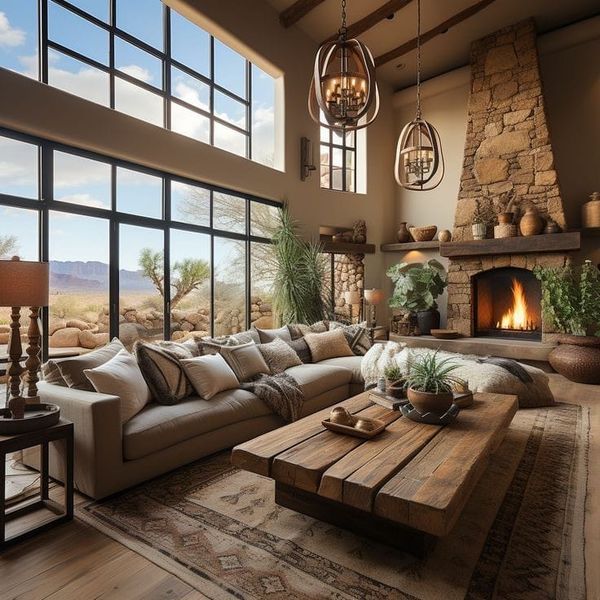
356, 335
279, 356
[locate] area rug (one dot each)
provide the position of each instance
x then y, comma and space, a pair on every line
520, 535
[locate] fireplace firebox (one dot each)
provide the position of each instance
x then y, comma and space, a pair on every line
507, 304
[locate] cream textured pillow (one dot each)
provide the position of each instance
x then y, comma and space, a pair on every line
329, 344
209, 375
246, 361
279, 355
268, 335
121, 376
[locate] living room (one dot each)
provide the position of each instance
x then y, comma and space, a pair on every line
316, 293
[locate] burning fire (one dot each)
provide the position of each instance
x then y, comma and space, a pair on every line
517, 317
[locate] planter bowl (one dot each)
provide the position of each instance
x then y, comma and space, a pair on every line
395, 389
423, 234
426, 402
577, 358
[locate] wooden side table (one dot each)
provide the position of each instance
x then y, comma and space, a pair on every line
61, 433
378, 333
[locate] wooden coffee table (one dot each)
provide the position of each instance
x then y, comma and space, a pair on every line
404, 487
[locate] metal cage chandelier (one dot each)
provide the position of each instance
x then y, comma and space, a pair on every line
419, 159
343, 91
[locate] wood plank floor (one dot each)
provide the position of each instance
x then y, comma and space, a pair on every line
76, 562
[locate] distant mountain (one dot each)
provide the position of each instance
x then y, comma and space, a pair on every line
93, 275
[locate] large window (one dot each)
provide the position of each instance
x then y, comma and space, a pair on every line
133, 252
144, 59
338, 160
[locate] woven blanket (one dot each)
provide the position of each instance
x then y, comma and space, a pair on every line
280, 392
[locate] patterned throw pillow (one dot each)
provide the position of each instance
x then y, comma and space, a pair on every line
357, 336
329, 344
298, 330
300, 347
210, 345
279, 355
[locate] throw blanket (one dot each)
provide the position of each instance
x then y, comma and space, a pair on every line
281, 393
528, 383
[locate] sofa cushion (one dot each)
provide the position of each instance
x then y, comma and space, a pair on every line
209, 375
298, 330
279, 356
329, 344
208, 345
357, 336
157, 426
352, 363
318, 379
268, 335
300, 347
246, 361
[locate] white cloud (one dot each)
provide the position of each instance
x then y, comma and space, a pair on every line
82, 200
137, 72
190, 95
9, 35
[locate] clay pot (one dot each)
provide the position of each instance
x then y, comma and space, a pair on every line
506, 218
444, 236
426, 402
577, 357
403, 234
590, 211
531, 222
479, 231
423, 234
428, 320
395, 388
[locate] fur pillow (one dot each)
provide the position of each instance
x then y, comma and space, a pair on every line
279, 355
357, 336
330, 344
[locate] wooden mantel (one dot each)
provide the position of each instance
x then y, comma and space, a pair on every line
547, 243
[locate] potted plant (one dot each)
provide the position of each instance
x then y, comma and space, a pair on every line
430, 383
483, 217
507, 203
395, 382
571, 306
416, 288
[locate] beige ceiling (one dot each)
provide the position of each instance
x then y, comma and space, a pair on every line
447, 51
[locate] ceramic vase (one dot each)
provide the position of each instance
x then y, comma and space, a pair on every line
590, 212
531, 222
506, 218
426, 402
479, 231
403, 234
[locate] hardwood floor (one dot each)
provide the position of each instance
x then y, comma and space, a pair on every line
76, 562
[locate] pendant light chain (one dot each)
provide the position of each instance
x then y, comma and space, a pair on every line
343, 28
418, 59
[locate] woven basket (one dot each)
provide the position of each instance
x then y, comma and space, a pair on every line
590, 212
577, 358
423, 234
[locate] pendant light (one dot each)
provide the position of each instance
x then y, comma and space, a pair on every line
343, 91
419, 160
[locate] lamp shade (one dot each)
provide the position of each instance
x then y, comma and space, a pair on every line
23, 283
373, 296
352, 297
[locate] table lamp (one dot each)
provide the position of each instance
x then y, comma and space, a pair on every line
352, 298
373, 297
23, 283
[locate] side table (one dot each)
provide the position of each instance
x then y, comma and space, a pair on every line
378, 333
61, 433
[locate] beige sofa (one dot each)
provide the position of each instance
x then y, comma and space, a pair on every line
110, 457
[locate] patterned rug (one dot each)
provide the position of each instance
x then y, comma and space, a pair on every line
520, 535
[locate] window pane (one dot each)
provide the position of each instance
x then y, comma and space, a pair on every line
136, 63
18, 233
230, 110
350, 139
81, 180
337, 181
142, 19
78, 78
325, 176
141, 274
230, 288
230, 69
337, 157
263, 117
190, 284
349, 180
229, 139
19, 36
229, 212
18, 168
96, 8
190, 203
190, 89
73, 32
262, 275
324, 134
190, 44
190, 123
79, 282
264, 219
139, 193
138, 102
337, 137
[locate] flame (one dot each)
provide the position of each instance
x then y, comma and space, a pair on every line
517, 317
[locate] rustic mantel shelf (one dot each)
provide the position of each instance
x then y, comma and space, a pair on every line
347, 248
554, 242
406, 246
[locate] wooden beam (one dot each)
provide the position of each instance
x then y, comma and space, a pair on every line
432, 33
292, 14
364, 24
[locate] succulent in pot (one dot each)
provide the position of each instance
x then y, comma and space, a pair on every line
395, 382
430, 383
483, 217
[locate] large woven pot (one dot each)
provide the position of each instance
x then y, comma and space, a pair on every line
577, 357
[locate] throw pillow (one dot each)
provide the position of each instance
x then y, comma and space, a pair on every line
160, 367
209, 375
300, 347
329, 344
298, 330
72, 369
210, 345
279, 356
51, 374
246, 361
121, 377
268, 335
356, 335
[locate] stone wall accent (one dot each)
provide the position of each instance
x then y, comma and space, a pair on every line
348, 276
508, 144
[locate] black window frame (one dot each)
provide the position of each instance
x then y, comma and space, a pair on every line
329, 169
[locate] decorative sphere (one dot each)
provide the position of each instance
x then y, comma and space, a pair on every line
341, 416
364, 425
444, 236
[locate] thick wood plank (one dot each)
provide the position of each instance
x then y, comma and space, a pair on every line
257, 454
406, 246
303, 465
332, 247
292, 14
549, 242
429, 493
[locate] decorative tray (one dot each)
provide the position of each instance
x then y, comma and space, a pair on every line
386, 400
359, 433
37, 416
409, 411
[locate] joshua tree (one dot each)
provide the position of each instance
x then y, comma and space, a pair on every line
8, 245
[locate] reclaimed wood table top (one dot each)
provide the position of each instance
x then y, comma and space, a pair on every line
414, 474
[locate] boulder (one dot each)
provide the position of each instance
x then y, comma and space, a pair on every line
505, 143
130, 332
79, 323
130, 316
4, 338
4, 328
90, 340
55, 325
194, 318
490, 170
67, 337
263, 323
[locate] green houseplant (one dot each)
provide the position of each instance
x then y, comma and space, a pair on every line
395, 382
416, 288
571, 306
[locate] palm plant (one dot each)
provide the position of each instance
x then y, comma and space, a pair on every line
431, 374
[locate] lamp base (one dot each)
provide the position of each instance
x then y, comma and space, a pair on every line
16, 406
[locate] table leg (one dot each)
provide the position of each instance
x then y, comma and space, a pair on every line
44, 470
69, 447
3, 498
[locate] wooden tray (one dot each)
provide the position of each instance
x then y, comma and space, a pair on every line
346, 430
37, 416
445, 334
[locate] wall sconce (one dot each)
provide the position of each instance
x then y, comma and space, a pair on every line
306, 158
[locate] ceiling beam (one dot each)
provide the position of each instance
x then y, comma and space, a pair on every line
292, 14
432, 33
364, 24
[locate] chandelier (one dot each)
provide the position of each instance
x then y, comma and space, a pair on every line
343, 91
419, 160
